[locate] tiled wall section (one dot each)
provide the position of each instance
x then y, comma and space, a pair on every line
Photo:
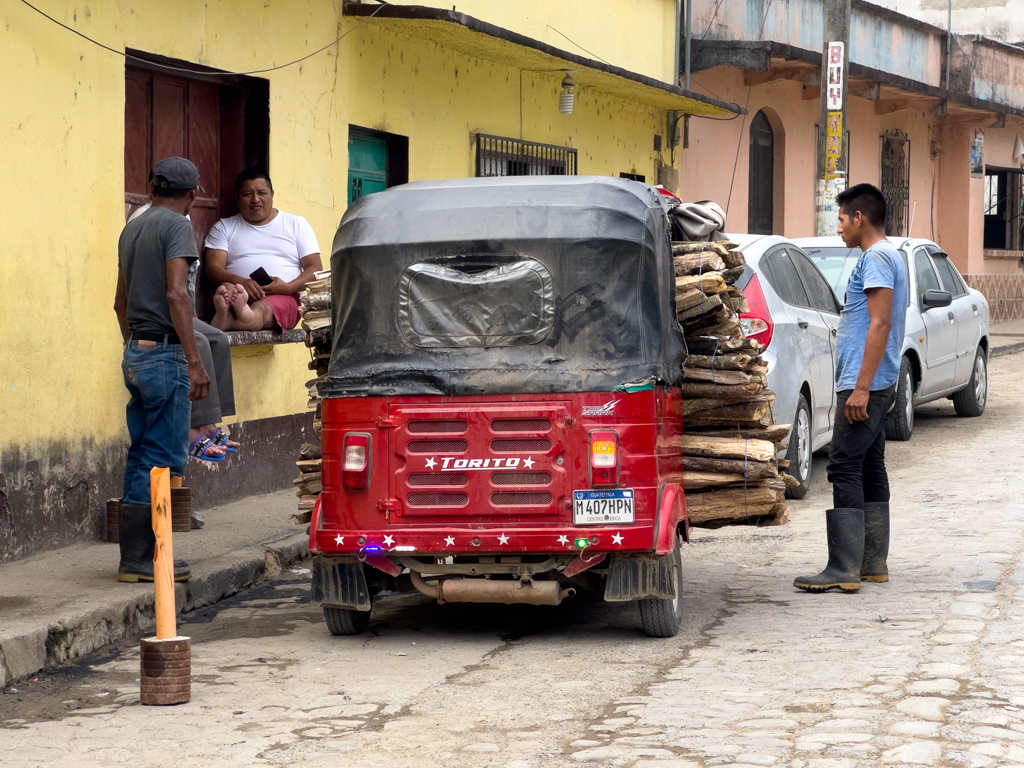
1005, 294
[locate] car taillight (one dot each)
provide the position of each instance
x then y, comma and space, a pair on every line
355, 461
756, 322
604, 457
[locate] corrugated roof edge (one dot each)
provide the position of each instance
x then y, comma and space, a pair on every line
423, 13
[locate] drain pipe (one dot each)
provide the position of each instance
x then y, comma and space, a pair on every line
949, 39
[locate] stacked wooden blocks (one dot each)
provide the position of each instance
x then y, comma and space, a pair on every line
316, 322
730, 439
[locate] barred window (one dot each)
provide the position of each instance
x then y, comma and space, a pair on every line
498, 156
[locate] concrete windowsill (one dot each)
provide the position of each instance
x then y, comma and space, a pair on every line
992, 253
257, 338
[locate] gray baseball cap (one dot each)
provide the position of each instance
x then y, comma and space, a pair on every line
174, 173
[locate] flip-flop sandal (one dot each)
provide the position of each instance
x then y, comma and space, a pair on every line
220, 437
198, 447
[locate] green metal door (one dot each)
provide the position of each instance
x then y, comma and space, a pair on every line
367, 166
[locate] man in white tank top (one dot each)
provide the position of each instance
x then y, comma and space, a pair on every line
262, 258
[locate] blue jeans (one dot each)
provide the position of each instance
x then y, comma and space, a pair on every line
158, 415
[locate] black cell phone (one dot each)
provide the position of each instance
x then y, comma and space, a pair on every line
260, 276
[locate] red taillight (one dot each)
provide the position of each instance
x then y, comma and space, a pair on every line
604, 457
355, 461
757, 320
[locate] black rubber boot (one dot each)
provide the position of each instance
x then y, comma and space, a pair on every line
845, 553
876, 542
137, 541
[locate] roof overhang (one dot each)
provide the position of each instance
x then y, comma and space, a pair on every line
766, 61
487, 42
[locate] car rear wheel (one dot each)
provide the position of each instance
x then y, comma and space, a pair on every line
799, 453
899, 424
970, 401
662, 618
344, 621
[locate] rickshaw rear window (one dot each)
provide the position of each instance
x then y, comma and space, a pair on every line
478, 302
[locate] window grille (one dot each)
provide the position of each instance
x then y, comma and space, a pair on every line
498, 156
896, 182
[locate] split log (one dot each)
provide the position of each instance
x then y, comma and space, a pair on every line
732, 275
707, 283
734, 300
733, 362
719, 247
716, 376
731, 393
315, 301
790, 481
311, 451
319, 337
729, 503
685, 301
723, 447
723, 329
307, 502
695, 480
700, 404
303, 517
699, 345
698, 263
703, 307
752, 470
746, 413
308, 465
308, 484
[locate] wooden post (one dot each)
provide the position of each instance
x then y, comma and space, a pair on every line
166, 660
163, 555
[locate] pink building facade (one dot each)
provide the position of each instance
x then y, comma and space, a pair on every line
948, 159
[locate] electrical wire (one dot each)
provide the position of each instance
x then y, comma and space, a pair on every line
150, 63
579, 46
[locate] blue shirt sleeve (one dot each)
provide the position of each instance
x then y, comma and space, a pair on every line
879, 271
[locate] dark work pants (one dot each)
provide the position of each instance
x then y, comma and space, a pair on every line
215, 351
856, 458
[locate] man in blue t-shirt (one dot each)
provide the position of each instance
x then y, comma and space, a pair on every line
868, 349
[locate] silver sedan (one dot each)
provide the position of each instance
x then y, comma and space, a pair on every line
945, 348
795, 313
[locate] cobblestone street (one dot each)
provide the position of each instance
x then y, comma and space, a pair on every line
923, 670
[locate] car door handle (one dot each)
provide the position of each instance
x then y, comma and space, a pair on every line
803, 324
834, 331
950, 315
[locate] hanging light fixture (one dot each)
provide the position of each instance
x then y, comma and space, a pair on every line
565, 98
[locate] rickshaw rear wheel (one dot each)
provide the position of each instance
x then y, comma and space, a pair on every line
662, 618
344, 621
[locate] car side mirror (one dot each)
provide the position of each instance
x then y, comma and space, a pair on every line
934, 298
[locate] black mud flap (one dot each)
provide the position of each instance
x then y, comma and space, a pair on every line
636, 577
340, 584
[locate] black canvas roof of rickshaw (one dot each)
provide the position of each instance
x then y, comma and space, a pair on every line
605, 243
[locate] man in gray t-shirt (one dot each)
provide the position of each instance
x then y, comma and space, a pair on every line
162, 369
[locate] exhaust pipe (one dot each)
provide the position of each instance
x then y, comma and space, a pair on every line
493, 591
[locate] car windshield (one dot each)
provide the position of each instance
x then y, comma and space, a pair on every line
836, 264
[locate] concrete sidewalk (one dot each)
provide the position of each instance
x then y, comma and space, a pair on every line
60, 605
1006, 338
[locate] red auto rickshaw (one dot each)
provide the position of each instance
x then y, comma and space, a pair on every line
501, 402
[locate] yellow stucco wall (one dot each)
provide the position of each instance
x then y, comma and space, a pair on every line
62, 145
638, 35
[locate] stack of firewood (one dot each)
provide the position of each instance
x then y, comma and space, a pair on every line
316, 322
730, 438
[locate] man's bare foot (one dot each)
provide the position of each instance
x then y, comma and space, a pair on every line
222, 306
212, 451
240, 305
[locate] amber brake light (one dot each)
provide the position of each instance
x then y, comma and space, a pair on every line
604, 457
